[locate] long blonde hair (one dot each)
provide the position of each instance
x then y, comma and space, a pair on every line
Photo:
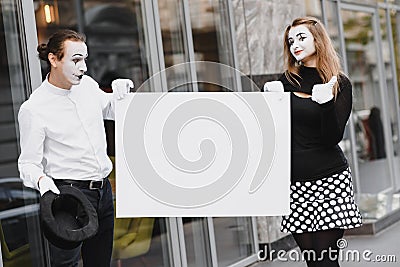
328, 63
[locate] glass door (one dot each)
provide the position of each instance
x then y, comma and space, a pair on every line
390, 19
119, 36
202, 32
364, 68
21, 242
363, 52
234, 239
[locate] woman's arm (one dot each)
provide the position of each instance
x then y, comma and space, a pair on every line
336, 113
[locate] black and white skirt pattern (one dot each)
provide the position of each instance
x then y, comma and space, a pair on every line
322, 204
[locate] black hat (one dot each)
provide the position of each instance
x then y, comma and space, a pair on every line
68, 218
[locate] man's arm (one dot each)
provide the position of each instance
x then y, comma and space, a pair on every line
31, 142
120, 87
30, 161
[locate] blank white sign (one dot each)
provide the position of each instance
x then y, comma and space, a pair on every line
202, 154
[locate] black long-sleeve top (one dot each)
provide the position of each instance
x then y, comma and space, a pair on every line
316, 129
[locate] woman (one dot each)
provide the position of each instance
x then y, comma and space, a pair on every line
321, 199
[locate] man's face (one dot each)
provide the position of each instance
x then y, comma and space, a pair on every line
70, 69
301, 43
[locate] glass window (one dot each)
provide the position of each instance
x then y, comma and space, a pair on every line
212, 41
114, 31
116, 45
196, 31
19, 221
362, 61
263, 24
115, 38
176, 45
140, 242
197, 246
333, 31
394, 85
201, 31
234, 239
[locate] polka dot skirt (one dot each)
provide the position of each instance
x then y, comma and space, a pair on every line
322, 204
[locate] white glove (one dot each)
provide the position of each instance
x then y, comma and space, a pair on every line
322, 93
121, 87
45, 184
275, 86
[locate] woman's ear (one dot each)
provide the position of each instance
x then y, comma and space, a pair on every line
52, 59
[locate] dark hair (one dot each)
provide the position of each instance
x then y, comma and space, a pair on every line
55, 45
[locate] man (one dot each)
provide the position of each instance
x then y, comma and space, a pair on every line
63, 141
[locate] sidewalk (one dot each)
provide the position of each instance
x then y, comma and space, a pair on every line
383, 245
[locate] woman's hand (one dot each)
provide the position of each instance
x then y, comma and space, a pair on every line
274, 86
322, 93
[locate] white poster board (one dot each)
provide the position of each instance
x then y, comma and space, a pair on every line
202, 154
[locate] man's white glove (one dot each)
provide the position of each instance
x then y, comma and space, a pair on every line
322, 93
47, 184
275, 86
121, 87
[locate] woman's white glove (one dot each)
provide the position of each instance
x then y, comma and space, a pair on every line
47, 184
322, 93
274, 86
121, 87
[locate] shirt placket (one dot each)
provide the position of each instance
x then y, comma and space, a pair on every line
83, 122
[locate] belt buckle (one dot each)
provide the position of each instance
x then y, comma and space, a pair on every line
91, 185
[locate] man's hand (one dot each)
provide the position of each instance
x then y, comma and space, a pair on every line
121, 87
47, 184
275, 86
322, 93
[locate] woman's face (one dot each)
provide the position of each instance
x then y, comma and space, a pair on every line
301, 44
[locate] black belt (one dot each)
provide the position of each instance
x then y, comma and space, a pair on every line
90, 184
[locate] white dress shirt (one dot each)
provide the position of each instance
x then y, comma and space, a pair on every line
62, 133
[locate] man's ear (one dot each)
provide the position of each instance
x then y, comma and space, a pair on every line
53, 59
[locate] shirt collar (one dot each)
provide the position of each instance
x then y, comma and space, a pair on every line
54, 89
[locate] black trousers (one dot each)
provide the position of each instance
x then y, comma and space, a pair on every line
96, 251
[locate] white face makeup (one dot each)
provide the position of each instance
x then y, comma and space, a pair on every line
301, 43
69, 71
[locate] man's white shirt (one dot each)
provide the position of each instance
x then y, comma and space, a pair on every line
62, 133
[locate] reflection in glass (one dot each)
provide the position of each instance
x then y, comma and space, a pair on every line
19, 221
140, 242
175, 44
212, 41
114, 31
333, 30
361, 52
393, 86
116, 46
234, 239
19, 224
376, 206
196, 242
392, 105
115, 37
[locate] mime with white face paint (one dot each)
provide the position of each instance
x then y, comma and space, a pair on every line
321, 194
63, 140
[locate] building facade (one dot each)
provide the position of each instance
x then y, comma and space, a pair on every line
138, 38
